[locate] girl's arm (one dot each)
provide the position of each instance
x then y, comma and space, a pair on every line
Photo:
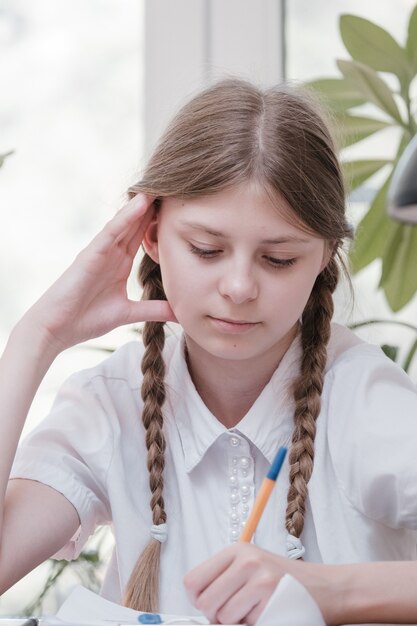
87, 301
235, 585
28, 537
358, 593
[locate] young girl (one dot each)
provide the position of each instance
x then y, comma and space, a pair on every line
241, 213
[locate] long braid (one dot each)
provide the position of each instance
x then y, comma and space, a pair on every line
315, 334
142, 592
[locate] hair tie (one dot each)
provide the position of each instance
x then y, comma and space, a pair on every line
295, 549
159, 532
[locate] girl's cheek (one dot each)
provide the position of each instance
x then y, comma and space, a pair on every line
172, 293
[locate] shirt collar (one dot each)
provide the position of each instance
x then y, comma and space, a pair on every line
267, 425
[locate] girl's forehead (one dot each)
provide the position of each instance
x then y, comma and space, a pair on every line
246, 205
237, 199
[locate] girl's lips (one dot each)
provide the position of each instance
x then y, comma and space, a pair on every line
232, 326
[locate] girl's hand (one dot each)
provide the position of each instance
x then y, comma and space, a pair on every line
90, 298
234, 586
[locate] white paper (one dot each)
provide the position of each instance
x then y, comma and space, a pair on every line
289, 605
87, 607
83, 607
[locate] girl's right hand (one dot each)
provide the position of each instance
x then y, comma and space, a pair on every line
90, 298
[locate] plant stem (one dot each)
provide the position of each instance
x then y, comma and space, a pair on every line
378, 321
410, 356
56, 572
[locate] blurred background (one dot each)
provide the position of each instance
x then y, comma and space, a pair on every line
87, 87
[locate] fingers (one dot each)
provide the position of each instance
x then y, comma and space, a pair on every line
135, 239
211, 584
243, 606
199, 578
128, 220
219, 598
234, 585
150, 311
137, 223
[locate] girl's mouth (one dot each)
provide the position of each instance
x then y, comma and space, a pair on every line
232, 326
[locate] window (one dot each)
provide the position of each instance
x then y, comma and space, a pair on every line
71, 110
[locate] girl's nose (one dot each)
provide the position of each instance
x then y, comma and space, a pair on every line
238, 284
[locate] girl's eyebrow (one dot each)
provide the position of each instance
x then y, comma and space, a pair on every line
277, 240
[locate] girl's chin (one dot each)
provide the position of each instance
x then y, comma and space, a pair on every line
230, 349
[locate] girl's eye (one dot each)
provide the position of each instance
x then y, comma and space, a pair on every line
278, 263
203, 252
208, 253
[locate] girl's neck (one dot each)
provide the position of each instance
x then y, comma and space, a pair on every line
229, 388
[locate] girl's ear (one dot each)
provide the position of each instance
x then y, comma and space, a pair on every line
329, 250
150, 239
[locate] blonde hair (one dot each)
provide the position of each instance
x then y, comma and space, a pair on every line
230, 133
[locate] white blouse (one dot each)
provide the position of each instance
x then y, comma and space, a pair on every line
362, 502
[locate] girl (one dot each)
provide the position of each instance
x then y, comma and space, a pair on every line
241, 212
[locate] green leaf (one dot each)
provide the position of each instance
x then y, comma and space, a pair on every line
411, 45
390, 351
338, 93
353, 128
370, 44
356, 172
371, 86
372, 232
393, 241
401, 283
402, 144
3, 157
92, 556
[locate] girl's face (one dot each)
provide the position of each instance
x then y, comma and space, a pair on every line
236, 273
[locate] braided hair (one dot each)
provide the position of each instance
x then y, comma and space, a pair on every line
307, 389
145, 597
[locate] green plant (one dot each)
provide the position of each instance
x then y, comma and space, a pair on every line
374, 53
4, 156
86, 569
391, 351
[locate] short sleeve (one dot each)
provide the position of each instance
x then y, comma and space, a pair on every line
372, 437
71, 451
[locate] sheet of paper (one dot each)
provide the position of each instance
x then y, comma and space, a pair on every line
86, 608
290, 605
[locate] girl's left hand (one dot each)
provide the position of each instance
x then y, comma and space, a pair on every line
234, 586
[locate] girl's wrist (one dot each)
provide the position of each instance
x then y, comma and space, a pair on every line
335, 588
345, 598
357, 593
36, 341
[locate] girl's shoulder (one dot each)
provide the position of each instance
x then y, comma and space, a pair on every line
369, 426
346, 347
358, 370
351, 358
